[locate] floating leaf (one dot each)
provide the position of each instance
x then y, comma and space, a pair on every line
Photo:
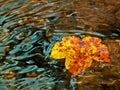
80, 53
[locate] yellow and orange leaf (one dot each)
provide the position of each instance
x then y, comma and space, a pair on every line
79, 53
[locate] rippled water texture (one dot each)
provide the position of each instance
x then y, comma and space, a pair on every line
28, 31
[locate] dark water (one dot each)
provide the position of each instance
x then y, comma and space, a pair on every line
27, 34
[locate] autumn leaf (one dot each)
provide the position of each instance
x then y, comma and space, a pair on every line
79, 53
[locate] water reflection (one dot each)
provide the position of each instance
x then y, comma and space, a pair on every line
25, 48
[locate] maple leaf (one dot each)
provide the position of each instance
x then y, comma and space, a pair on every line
80, 53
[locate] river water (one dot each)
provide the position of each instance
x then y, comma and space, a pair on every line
28, 31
